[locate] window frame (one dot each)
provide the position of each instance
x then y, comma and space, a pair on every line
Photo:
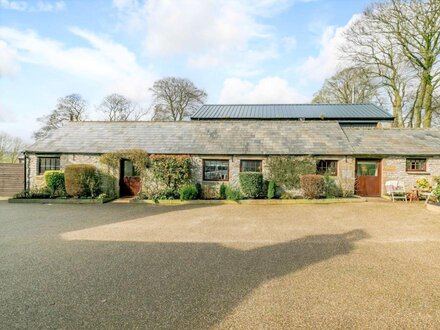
425, 165
57, 165
327, 167
215, 160
260, 161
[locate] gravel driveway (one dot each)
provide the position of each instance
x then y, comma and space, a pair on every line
366, 265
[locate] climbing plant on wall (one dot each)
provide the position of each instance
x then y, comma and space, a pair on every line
286, 170
173, 171
139, 158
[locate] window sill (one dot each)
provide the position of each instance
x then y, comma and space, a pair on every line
417, 173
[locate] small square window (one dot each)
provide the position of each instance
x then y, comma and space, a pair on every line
416, 165
48, 164
216, 170
250, 166
324, 166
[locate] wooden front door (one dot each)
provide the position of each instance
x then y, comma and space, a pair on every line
368, 177
129, 180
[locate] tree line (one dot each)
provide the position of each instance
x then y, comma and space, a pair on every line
392, 53
173, 99
10, 148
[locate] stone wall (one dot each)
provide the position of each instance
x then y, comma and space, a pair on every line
345, 176
211, 188
37, 181
392, 169
395, 169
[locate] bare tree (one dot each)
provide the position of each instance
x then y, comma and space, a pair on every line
370, 45
10, 148
415, 26
117, 107
69, 108
351, 85
175, 99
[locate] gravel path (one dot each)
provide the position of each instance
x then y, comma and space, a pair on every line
367, 265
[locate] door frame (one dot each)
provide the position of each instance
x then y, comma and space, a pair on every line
122, 188
379, 174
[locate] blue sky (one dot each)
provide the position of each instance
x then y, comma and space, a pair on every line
247, 51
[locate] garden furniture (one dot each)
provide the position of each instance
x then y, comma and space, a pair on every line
396, 190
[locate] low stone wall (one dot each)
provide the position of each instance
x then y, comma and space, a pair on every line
395, 169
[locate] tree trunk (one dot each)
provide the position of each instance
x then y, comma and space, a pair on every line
417, 115
427, 104
397, 110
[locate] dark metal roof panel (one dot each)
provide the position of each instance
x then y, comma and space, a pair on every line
291, 111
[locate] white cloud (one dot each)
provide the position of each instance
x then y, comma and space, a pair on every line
39, 6
266, 90
226, 33
104, 61
328, 61
8, 60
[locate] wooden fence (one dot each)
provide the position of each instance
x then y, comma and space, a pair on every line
11, 179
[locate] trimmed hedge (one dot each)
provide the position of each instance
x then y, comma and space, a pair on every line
55, 182
271, 190
312, 185
188, 192
82, 180
252, 184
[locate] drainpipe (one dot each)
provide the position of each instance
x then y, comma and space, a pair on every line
25, 171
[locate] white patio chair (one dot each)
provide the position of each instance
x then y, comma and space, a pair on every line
427, 194
396, 190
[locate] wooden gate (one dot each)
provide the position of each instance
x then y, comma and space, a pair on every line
11, 179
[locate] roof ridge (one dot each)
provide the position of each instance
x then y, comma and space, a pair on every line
271, 104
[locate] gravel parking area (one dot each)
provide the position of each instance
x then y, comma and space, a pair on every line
367, 265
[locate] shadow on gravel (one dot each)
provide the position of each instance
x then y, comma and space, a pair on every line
28, 220
154, 285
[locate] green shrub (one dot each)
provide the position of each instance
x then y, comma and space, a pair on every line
286, 171
271, 190
436, 193
55, 182
331, 188
199, 190
167, 194
312, 185
82, 180
222, 191
171, 171
188, 192
252, 184
109, 184
233, 193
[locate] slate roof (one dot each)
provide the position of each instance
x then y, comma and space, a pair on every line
200, 137
238, 138
291, 111
394, 141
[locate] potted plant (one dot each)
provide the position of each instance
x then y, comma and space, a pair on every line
423, 184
